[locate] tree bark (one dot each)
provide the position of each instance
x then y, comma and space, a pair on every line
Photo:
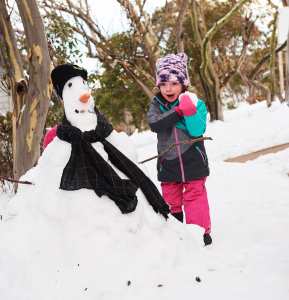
272, 62
30, 95
199, 30
287, 70
209, 78
179, 25
281, 75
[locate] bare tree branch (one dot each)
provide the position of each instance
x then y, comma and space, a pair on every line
255, 71
179, 25
145, 30
246, 36
2, 178
209, 35
190, 141
105, 53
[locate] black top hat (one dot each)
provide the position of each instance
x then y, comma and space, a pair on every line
62, 73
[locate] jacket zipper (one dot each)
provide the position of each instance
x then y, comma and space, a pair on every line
179, 154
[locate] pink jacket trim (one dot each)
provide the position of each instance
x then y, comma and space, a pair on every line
49, 136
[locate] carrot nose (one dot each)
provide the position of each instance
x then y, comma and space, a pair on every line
84, 97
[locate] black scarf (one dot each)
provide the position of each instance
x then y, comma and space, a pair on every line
87, 169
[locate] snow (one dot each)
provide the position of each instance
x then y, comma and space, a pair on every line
282, 24
73, 245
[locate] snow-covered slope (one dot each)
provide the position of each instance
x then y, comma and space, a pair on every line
73, 245
67, 245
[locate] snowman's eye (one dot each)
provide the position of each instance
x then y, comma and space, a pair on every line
70, 84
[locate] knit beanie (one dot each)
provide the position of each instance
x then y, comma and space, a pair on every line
62, 73
172, 67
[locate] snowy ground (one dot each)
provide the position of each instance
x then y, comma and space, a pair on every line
73, 245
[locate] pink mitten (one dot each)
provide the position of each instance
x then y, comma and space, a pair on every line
187, 105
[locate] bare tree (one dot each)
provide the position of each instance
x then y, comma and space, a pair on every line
273, 62
148, 37
98, 43
285, 4
287, 69
239, 61
183, 5
253, 78
208, 75
30, 93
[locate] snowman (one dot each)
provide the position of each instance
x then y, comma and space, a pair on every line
95, 160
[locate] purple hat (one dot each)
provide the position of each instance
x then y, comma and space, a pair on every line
172, 67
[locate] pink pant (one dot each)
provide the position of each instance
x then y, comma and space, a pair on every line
191, 195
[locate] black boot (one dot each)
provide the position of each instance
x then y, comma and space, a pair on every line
179, 216
207, 239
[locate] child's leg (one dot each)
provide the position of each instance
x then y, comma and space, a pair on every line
173, 195
196, 204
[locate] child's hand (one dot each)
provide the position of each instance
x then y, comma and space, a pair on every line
187, 106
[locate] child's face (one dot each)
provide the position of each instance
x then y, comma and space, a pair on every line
170, 90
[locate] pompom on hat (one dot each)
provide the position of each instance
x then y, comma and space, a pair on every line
172, 67
62, 73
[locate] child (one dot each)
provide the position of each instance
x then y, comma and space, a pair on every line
177, 115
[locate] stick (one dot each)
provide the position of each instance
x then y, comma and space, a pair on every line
14, 180
192, 141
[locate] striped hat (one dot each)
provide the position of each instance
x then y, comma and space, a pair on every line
172, 67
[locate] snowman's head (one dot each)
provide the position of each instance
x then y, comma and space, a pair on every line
62, 73
70, 83
77, 99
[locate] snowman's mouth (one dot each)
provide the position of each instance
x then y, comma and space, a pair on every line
79, 111
83, 111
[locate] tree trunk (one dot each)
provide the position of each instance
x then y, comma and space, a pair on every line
210, 84
272, 62
209, 78
30, 96
287, 70
179, 25
286, 3
281, 75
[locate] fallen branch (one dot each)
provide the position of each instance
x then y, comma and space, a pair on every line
15, 181
191, 141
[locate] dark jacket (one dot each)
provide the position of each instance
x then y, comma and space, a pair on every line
184, 162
